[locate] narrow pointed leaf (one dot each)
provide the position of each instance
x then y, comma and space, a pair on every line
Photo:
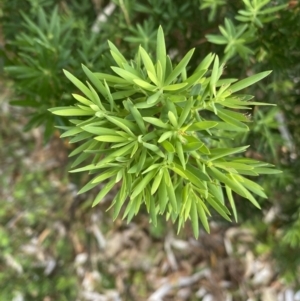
194, 218
178, 69
83, 88
142, 184
103, 192
244, 83
71, 111
161, 50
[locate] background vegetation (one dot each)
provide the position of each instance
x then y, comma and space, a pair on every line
55, 247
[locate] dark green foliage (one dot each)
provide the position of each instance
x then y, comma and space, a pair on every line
36, 56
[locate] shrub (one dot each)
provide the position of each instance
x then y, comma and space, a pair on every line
162, 133
248, 36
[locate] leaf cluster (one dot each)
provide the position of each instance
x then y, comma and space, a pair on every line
158, 131
254, 16
35, 59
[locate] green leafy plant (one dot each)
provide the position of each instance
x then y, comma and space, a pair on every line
162, 134
213, 6
43, 47
143, 35
256, 14
235, 39
275, 134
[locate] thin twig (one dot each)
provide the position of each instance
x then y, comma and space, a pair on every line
170, 255
102, 17
285, 134
159, 294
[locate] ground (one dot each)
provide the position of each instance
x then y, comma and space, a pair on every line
55, 246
